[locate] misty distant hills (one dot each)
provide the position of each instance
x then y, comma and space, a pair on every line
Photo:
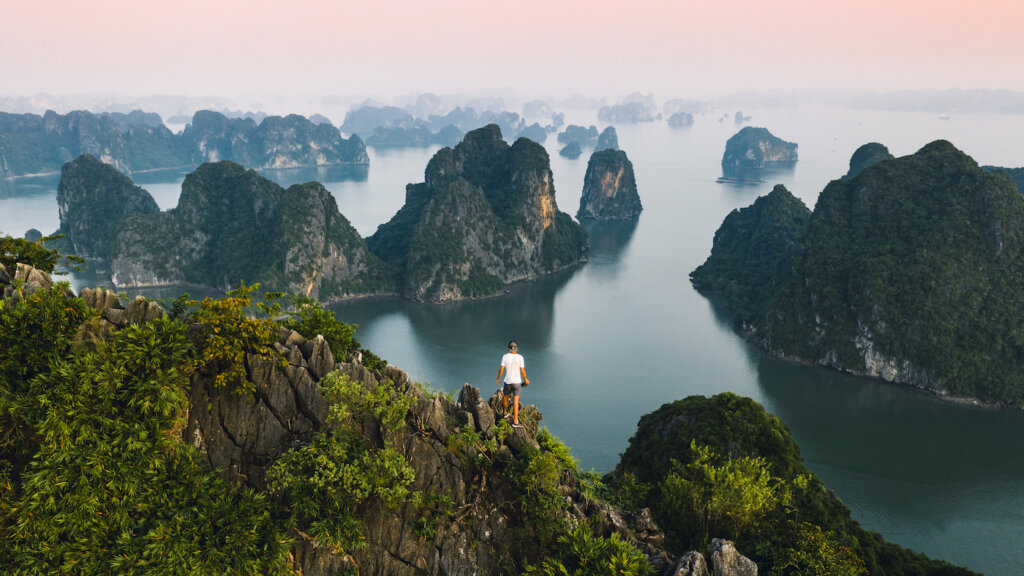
138, 141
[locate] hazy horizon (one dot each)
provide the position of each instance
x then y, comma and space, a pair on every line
247, 50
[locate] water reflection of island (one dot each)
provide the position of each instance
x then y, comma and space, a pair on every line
740, 176
286, 177
527, 311
609, 238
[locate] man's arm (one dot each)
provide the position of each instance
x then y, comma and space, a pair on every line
522, 371
501, 370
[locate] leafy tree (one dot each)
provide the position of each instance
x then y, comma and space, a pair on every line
35, 254
227, 332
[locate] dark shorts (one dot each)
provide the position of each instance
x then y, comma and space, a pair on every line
512, 389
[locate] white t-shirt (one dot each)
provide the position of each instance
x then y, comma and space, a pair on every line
512, 363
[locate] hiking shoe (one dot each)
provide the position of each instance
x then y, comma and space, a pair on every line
517, 425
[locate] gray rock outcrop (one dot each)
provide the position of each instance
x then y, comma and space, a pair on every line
609, 188
22, 281
691, 564
727, 561
242, 434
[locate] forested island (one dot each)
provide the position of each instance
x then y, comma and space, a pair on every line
909, 270
756, 148
230, 435
485, 217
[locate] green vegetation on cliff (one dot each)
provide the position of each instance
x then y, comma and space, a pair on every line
723, 467
753, 253
103, 484
910, 271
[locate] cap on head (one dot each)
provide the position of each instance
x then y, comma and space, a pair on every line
513, 345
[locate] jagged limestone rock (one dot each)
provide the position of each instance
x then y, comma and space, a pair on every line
101, 299
484, 217
727, 561
691, 564
609, 188
140, 311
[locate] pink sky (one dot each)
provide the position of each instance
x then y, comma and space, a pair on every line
675, 48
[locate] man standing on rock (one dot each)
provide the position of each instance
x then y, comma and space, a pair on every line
514, 368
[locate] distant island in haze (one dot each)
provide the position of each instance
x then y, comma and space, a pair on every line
32, 145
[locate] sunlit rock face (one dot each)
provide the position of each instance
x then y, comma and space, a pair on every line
484, 217
609, 188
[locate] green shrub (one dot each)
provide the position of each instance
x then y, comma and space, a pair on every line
536, 476
719, 497
326, 480
34, 332
229, 332
817, 553
579, 553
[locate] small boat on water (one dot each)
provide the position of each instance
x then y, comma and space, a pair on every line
733, 180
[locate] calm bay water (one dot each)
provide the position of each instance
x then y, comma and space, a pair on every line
617, 337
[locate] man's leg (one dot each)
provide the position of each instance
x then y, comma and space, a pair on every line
515, 409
